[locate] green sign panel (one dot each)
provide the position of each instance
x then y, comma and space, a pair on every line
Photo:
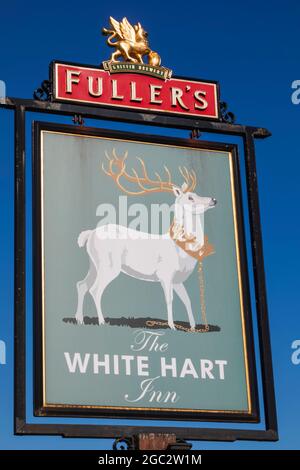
141, 289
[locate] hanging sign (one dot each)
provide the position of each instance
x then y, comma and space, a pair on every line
131, 83
142, 297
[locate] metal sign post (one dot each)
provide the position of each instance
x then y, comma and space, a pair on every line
139, 166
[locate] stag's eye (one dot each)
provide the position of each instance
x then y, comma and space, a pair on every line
191, 198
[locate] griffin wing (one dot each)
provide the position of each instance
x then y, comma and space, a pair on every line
127, 30
116, 26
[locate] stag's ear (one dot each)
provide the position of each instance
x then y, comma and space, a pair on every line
184, 187
177, 191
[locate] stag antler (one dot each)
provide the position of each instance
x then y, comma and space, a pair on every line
117, 169
190, 179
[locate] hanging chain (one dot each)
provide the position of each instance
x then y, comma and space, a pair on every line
202, 299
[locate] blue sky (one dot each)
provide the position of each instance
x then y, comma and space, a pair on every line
252, 49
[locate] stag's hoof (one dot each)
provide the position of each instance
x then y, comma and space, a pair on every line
79, 320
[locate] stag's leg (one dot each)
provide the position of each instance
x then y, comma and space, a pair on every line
184, 297
105, 275
82, 288
168, 291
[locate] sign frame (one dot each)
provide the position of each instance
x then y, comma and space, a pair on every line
55, 98
248, 134
42, 409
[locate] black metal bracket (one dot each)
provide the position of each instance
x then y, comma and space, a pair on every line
132, 443
126, 443
78, 119
226, 115
44, 92
195, 134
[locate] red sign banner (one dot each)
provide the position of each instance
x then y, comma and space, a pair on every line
83, 84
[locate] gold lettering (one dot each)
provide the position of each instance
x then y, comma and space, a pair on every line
133, 96
154, 93
115, 95
99, 90
199, 94
72, 77
177, 98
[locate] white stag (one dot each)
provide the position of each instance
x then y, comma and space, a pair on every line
115, 249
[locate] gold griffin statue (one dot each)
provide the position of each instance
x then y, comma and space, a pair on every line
131, 43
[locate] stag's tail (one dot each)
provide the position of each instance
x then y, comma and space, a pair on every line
83, 237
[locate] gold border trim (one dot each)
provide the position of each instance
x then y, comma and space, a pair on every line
240, 283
